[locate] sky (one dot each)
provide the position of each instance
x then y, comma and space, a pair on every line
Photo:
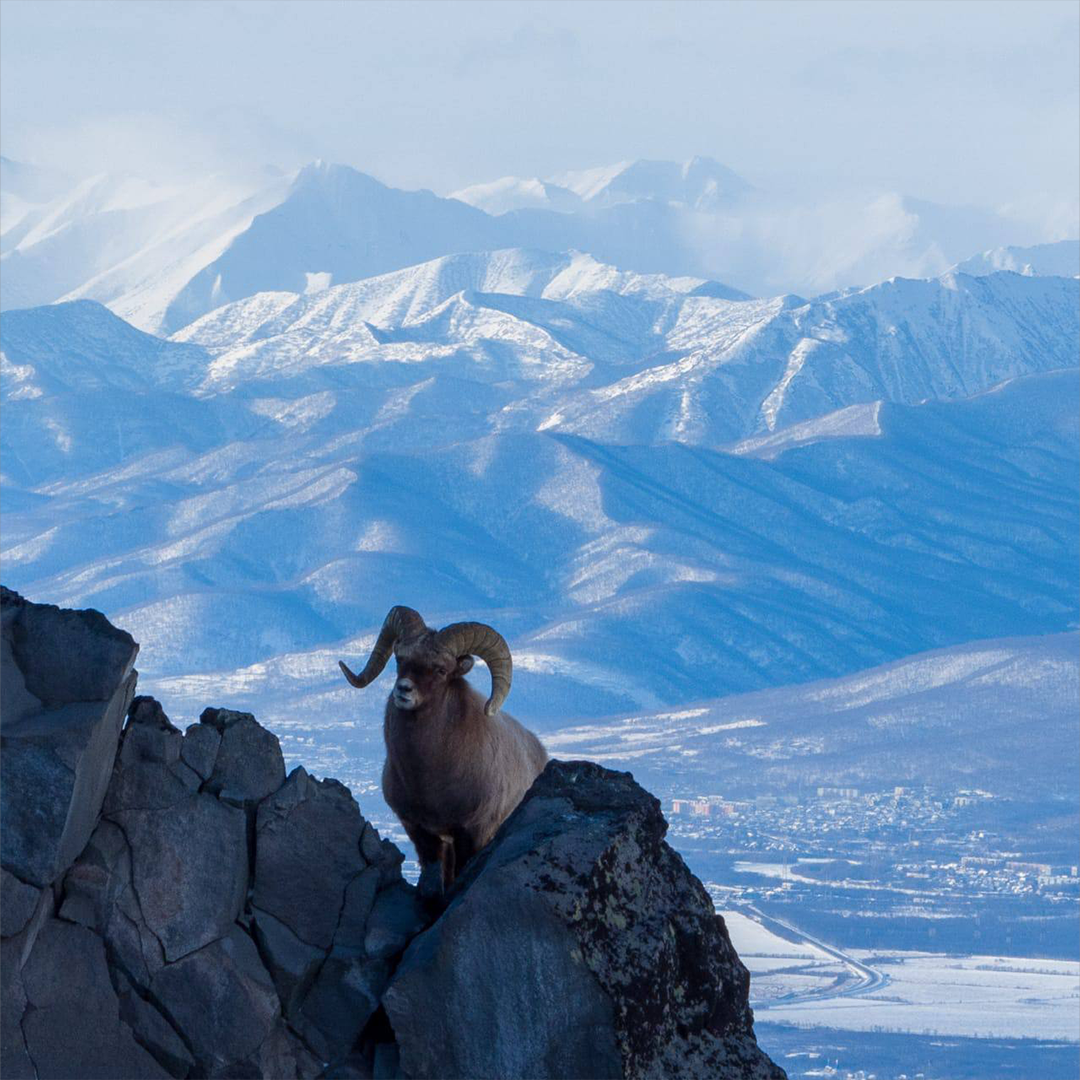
970, 102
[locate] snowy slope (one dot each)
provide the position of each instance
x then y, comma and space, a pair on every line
989, 714
81, 346
564, 343
644, 577
1061, 259
339, 224
164, 256
31, 183
513, 193
289, 508
698, 184
24, 190
701, 183
84, 391
125, 242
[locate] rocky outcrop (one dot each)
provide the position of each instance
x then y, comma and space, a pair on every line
174, 905
581, 921
67, 682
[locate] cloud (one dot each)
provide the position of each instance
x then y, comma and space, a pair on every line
166, 147
540, 46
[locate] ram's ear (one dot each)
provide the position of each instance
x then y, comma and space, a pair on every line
464, 666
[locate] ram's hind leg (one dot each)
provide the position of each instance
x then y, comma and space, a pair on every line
432, 854
449, 864
464, 849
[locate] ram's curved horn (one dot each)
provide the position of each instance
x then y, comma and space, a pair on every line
478, 639
400, 622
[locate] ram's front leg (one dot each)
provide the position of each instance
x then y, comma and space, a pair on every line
433, 853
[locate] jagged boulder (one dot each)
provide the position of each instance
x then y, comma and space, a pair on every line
67, 680
235, 914
141, 863
248, 765
576, 944
319, 869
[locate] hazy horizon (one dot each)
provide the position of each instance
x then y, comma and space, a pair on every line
956, 103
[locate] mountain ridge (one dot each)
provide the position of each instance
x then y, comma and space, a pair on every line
161, 257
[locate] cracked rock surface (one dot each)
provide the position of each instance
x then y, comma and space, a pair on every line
580, 917
174, 905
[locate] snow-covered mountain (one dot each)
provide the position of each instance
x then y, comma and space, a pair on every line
588, 461
990, 714
1061, 259
632, 579
163, 256
701, 183
81, 347
565, 344
698, 184
124, 242
513, 193
28, 186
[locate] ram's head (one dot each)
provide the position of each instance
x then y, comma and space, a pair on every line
429, 660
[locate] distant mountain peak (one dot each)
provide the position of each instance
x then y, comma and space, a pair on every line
514, 193
323, 173
1060, 259
701, 183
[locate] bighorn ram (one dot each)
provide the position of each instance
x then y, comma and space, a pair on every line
455, 766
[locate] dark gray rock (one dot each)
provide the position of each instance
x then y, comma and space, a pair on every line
282, 1054
17, 903
498, 991
73, 1027
148, 774
94, 883
23, 941
223, 1000
223, 719
200, 747
65, 656
153, 1032
581, 923
307, 850
54, 772
68, 680
313, 898
98, 894
351, 934
398, 915
340, 1003
248, 764
292, 963
370, 845
189, 870
15, 1063
576, 944
16, 702
352, 1067
387, 1062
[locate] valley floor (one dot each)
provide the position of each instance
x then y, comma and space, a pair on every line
826, 1012
808, 1053
801, 981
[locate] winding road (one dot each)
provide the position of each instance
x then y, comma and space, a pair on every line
862, 979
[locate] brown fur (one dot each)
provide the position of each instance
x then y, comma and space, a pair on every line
452, 773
